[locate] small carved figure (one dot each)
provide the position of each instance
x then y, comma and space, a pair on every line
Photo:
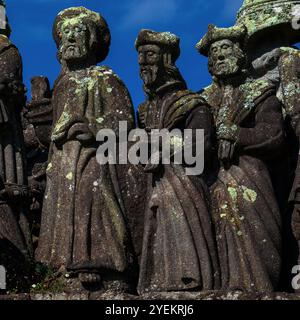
37, 125
83, 227
179, 250
249, 128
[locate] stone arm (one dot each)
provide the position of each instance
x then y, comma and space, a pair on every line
117, 106
266, 138
11, 84
192, 146
199, 118
10, 64
289, 70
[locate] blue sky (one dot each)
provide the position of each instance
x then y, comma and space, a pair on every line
31, 22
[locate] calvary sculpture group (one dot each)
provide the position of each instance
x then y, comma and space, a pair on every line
154, 228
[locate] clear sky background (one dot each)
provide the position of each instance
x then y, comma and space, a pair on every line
31, 22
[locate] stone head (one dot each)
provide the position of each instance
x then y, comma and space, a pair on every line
223, 47
157, 55
81, 35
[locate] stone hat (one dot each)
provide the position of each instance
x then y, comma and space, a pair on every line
236, 34
169, 41
102, 38
260, 15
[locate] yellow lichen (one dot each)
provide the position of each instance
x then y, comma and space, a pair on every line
69, 176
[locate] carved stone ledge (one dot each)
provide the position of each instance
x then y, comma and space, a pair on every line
205, 296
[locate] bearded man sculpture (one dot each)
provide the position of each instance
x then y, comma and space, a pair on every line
249, 127
179, 250
83, 227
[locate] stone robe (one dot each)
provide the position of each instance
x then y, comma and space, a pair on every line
179, 250
83, 222
245, 211
15, 244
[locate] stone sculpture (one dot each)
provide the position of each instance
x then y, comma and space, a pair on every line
179, 250
37, 126
233, 227
272, 31
83, 228
249, 128
15, 242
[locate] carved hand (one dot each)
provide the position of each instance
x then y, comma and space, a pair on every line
228, 131
80, 132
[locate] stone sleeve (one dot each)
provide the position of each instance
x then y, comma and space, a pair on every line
266, 137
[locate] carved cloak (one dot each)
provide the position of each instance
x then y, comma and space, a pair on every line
15, 239
83, 223
245, 210
179, 250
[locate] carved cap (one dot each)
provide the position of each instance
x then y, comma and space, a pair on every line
82, 14
168, 41
235, 34
259, 15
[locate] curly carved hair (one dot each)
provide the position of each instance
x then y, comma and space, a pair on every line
100, 37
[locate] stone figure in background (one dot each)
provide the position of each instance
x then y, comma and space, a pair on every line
37, 125
179, 249
84, 228
272, 30
249, 129
15, 243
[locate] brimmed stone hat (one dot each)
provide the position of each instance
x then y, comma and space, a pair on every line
236, 34
103, 37
263, 15
169, 41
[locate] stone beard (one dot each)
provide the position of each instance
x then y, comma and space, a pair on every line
84, 229
249, 129
177, 222
225, 59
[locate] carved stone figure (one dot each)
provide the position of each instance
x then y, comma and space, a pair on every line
15, 243
37, 126
179, 250
249, 128
272, 30
83, 226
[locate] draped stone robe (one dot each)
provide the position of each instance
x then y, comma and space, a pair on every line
179, 251
14, 231
83, 222
245, 210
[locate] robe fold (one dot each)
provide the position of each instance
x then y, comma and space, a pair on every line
83, 222
179, 250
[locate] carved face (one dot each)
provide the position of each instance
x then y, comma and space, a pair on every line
74, 41
151, 64
225, 59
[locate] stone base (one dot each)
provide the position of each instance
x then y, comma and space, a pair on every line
205, 296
